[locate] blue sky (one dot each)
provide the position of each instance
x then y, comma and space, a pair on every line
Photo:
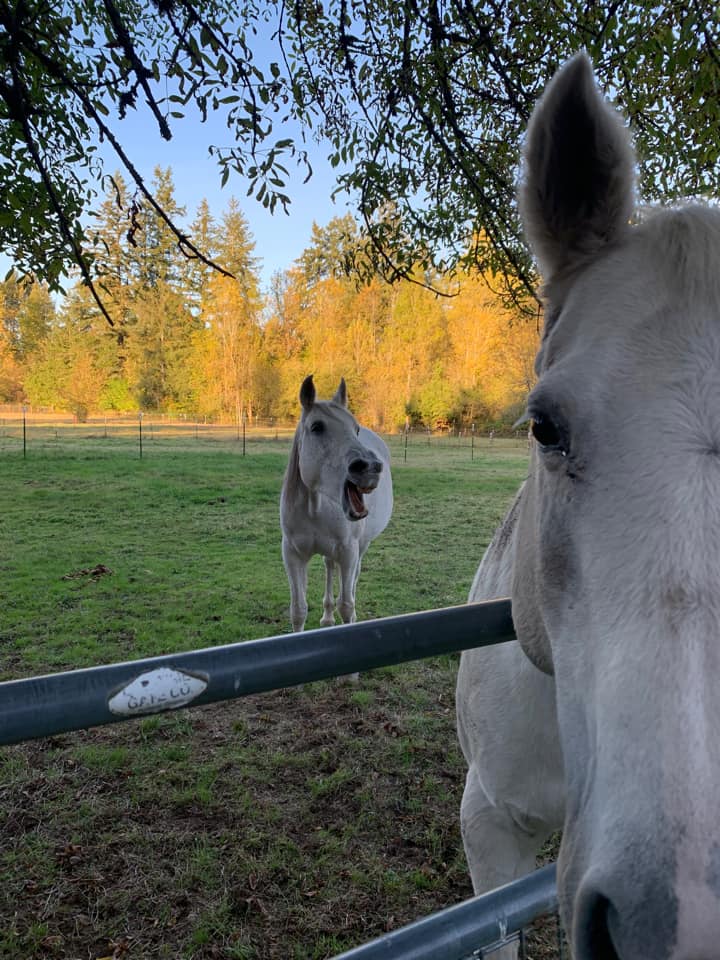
279, 238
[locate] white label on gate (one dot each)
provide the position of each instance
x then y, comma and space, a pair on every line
162, 689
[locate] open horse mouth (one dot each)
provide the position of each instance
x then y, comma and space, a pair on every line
353, 502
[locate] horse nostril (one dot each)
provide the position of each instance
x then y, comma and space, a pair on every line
359, 466
599, 938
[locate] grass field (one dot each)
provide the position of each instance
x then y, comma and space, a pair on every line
288, 825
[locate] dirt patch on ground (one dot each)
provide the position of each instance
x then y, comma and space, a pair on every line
289, 825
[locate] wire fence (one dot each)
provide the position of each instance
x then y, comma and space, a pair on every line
25, 433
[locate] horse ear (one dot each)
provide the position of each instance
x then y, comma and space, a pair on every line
341, 394
307, 393
577, 193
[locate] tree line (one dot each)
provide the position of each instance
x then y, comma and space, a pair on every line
189, 340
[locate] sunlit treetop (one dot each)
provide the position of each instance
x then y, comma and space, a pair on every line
421, 109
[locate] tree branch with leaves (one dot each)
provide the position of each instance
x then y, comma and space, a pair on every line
421, 109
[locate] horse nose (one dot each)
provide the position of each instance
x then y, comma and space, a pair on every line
625, 920
596, 943
361, 466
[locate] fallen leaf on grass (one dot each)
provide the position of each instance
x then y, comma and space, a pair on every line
392, 729
52, 940
93, 573
119, 949
254, 903
70, 853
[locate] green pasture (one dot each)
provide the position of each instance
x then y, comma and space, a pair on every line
287, 825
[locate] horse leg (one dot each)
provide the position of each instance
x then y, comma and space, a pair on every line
358, 568
349, 564
296, 569
499, 845
513, 798
328, 618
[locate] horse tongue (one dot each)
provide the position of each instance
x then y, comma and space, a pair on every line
356, 500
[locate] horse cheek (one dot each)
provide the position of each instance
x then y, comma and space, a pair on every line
527, 599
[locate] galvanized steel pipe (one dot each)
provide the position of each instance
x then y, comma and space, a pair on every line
461, 930
57, 703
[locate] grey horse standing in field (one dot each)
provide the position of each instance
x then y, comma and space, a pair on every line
336, 498
604, 716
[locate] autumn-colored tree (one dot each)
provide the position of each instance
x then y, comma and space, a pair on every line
492, 353
413, 345
284, 339
26, 314
66, 374
191, 340
11, 372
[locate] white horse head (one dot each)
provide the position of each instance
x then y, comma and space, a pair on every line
336, 498
332, 460
612, 552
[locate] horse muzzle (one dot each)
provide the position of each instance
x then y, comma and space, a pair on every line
650, 893
363, 478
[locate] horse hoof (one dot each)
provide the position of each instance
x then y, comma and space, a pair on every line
348, 678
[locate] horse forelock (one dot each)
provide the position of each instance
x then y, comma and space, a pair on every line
678, 251
331, 407
685, 242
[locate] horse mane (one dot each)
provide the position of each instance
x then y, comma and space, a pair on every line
292, 483
686, 240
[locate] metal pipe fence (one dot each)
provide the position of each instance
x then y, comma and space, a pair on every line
493, 920
57, 703
78, 699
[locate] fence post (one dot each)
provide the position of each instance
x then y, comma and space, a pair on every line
24, 410
140, 416
472, 442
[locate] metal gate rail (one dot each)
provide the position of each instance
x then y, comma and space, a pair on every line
464, 929
57, 703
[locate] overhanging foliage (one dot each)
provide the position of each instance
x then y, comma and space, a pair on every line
421, 107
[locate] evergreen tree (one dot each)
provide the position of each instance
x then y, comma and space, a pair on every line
161, 291
204, 230
115, 234
331, 251
230, 345
158, 257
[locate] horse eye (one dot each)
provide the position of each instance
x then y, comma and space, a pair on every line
547, 433
317, 426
